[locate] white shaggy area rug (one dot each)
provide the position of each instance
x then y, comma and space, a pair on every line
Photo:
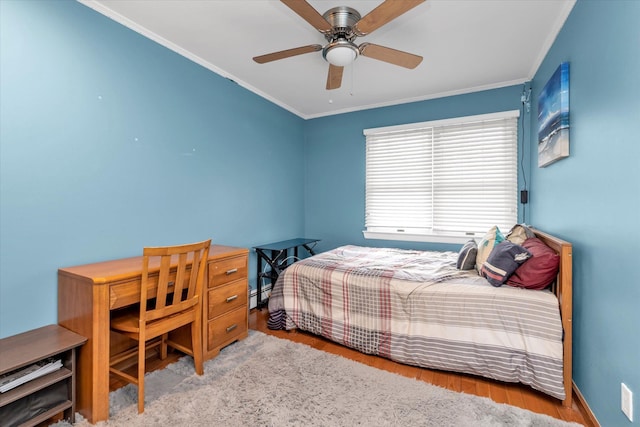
267, 381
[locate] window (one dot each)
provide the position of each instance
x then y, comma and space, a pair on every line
443, 180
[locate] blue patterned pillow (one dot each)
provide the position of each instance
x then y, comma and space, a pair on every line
467, 256
503, 260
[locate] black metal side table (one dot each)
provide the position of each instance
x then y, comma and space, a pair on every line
276, 255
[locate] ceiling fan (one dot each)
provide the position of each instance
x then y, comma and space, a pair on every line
341, 26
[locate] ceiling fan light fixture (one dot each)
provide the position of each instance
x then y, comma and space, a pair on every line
340, 52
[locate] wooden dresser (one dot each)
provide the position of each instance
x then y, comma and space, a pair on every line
226, 302
88, 293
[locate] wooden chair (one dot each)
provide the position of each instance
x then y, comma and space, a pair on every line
169, 300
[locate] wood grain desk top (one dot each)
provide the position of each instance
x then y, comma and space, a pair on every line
126, 268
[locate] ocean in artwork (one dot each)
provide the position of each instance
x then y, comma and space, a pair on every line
553, 118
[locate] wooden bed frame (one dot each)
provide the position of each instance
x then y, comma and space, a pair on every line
563, 288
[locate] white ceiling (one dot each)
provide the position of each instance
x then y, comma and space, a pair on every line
467, 45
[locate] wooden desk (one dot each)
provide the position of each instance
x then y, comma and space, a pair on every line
87, 294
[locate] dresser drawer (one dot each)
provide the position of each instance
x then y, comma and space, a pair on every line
227, 270
226, 329
222, 299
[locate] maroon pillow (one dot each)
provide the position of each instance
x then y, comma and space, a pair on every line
538, 271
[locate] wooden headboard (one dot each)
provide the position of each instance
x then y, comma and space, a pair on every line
563, 288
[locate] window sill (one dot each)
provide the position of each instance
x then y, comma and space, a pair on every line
413, 237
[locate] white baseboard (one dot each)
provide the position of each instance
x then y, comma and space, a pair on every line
253, 296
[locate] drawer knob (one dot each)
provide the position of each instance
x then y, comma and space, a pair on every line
233, 270
232, 327
231, 298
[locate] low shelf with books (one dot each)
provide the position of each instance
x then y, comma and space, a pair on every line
38, 368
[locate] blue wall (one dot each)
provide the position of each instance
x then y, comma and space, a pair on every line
110, 142
592, 198
335, 162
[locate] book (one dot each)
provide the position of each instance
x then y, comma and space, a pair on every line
14, 379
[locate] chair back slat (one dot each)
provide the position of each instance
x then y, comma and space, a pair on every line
163, 281
178, 287
144, 288
187, 264
194, 276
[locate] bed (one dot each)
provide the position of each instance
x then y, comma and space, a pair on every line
415, 307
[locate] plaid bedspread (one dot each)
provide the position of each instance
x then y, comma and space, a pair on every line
415, 307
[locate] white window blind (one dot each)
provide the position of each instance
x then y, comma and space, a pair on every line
451, 177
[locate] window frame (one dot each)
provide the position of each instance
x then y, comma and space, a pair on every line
436, 236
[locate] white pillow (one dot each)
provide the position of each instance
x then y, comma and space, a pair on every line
519, 233
490, 239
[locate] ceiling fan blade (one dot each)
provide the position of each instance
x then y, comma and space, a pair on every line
309, 14
392, 56
287, 53
384, 13
334, 78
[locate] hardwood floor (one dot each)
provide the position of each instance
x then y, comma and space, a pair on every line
512, 394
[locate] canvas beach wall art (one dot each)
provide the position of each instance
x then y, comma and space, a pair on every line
553, 118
